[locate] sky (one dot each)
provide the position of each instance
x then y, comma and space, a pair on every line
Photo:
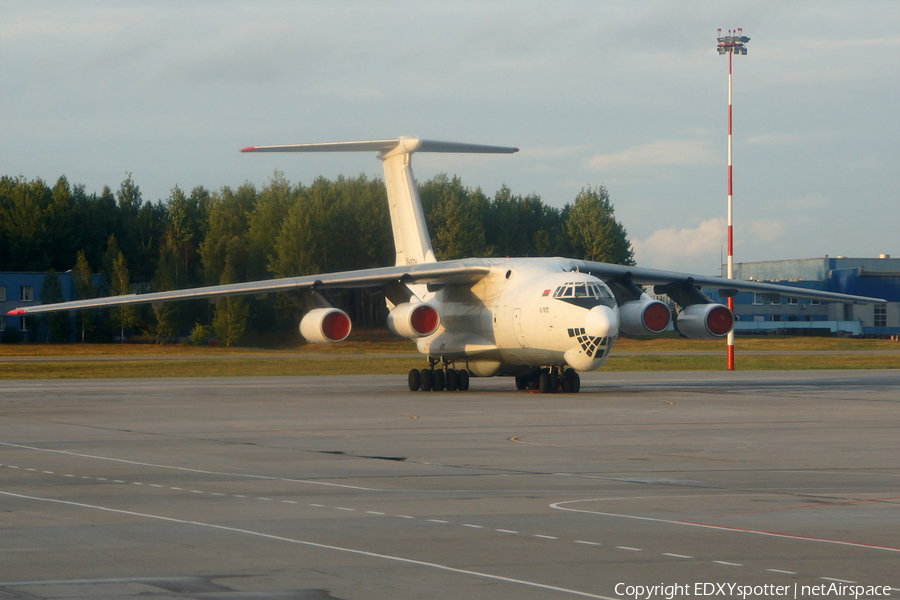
631, 95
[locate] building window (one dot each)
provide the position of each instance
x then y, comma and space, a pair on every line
793, 302
776, 301
880, 315
815, 302
2, 293
2, 323
26, 293
757, 299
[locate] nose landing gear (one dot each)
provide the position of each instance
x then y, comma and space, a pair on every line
551, 380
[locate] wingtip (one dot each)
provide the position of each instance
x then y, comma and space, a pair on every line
249, 149
15, 311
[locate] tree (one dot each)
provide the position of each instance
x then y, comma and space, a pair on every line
301, 245
84, 290
232, 312
52, 293
593, 231
455, 216
165, 317
123, 316
225, 240
268, 215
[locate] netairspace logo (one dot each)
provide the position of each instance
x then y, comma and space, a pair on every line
736, 590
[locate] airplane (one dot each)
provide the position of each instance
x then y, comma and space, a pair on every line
541, 320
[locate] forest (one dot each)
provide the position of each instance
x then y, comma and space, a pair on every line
211, 237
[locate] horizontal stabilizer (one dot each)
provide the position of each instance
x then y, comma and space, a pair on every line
405, 145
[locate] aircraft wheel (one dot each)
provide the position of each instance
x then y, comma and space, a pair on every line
534, 382
544, 383
414, 380
452, 378
572, 382
521, 383
426, 377
439, 381
568, 384
463, 380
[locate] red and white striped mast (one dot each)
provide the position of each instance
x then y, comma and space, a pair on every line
733, 43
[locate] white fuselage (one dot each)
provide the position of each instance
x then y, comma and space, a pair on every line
526, 313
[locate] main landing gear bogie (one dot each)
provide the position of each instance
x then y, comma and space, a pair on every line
438, 380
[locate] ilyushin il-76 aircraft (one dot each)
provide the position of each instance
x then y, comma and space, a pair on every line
541, 320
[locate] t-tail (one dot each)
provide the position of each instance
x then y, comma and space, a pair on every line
411, 240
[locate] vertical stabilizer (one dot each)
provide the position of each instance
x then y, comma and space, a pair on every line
411, 240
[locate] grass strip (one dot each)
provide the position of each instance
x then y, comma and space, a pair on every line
266, 367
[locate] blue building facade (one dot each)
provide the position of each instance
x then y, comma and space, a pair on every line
24, 289
874, 277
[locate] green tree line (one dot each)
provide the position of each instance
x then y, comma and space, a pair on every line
242, 234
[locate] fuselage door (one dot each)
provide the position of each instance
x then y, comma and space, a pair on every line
517, 324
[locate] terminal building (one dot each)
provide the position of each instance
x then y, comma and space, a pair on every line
873, 277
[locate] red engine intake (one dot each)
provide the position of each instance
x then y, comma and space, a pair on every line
705, 321
325, 326
644, 317
413, 320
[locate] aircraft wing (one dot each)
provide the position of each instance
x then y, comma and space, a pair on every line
449, 272
726, 287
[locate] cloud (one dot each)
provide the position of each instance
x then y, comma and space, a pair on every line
544, 152
661, 152
809, 202
774, 138
680, 249
767, 230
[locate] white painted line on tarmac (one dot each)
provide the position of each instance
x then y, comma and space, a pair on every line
559, 506
510, 531
369, 512
685, 556
172, 467
587, 543
837, 580
727, 564
388, 557
436, 521
472, 526
780, 571
546, 537
630, 549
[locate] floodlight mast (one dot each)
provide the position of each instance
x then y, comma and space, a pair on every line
733, 43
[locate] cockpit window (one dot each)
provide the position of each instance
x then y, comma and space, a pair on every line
581, 290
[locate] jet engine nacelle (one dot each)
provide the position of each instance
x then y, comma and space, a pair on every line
325, 326
644, 317
704, 321
413, 319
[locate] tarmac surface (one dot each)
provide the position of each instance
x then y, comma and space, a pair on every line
353, 487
